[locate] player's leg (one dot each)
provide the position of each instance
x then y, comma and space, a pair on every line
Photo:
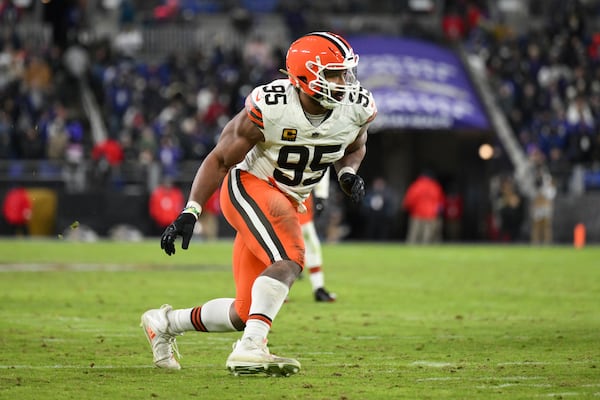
162, 325
314, 262
266, 220
250, 353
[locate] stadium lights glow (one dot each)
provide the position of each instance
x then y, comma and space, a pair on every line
486, 151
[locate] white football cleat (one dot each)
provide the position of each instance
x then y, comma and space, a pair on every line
156, 327
251, 356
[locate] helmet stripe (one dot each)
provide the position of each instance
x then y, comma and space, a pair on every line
341, 44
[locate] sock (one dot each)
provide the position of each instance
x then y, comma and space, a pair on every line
268, 295
256, 328
212, 316
317, 278
179, 320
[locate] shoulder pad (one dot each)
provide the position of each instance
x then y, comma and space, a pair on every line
367, 109
253, 109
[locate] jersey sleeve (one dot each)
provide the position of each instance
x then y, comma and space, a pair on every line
253, 109
368, 111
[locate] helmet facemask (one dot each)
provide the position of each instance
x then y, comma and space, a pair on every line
328, 93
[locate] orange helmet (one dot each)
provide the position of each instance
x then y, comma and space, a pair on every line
311, 55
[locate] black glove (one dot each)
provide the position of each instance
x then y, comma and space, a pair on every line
353, 185
183, 226
318, 206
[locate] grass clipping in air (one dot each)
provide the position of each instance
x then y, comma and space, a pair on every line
73, 226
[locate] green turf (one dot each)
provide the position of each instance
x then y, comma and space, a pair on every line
445, 322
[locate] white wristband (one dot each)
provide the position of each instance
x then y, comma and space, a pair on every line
344, 170
193, 207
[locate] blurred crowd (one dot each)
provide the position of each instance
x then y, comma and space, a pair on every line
547, 81
169, 109
546, 77
172, 107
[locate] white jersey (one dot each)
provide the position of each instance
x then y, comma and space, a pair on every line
295, 154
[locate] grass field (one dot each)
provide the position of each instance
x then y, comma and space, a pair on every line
445, 322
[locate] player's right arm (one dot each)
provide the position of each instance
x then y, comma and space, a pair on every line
237, 138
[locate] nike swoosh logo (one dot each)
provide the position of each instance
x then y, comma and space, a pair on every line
257, 98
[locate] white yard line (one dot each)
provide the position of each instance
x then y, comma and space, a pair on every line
94, 366
80, 267
65, 267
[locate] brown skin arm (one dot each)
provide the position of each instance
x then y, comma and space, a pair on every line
236, 140
355, 152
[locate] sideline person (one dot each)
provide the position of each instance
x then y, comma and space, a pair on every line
424, 201
17, 210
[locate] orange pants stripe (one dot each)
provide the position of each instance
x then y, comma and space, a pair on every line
267, 227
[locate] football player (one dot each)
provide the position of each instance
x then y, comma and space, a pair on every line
268, 159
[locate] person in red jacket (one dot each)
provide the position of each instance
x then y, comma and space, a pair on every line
424, 202
17, 209
107, 156
166, 202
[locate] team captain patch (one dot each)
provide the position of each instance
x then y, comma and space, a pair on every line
289, 134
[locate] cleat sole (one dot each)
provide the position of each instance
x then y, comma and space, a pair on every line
270, 369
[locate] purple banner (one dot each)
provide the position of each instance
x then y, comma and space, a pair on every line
417, 85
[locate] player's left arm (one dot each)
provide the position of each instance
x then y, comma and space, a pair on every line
354, 153
351, 183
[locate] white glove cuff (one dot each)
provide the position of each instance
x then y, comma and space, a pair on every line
193, 207
344, 170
